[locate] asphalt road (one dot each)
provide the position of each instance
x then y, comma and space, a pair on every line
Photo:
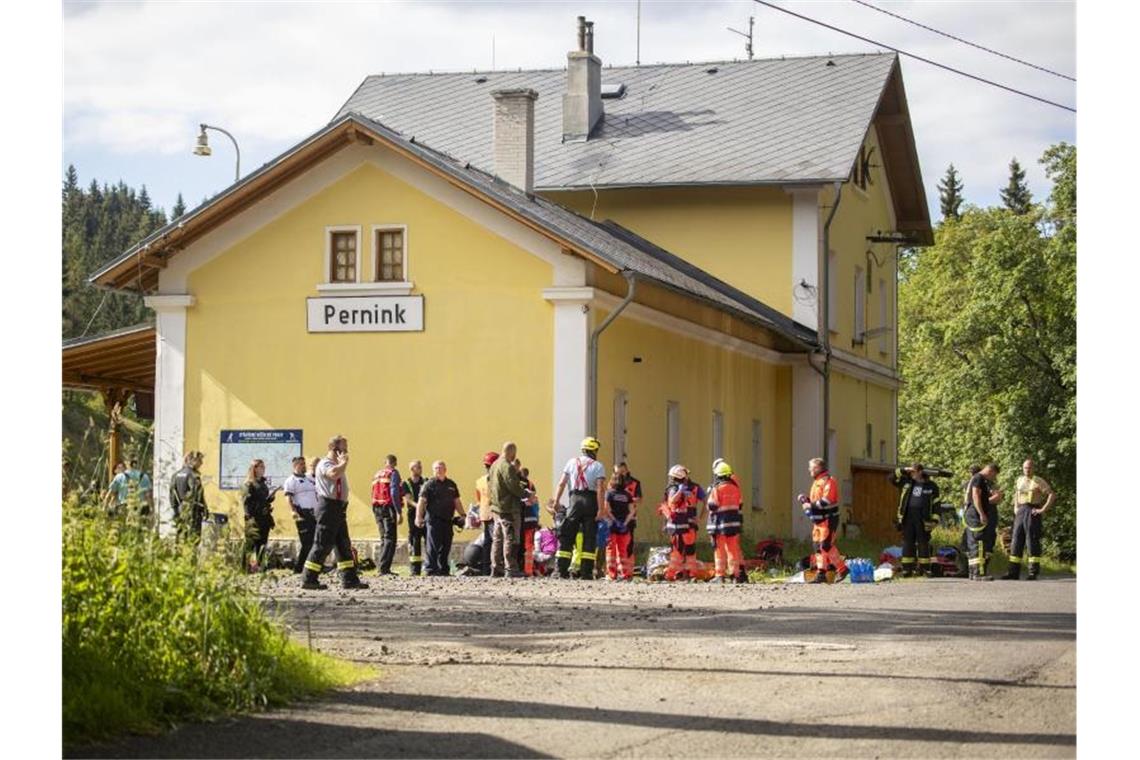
479, 667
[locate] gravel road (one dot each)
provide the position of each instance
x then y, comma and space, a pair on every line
479, 667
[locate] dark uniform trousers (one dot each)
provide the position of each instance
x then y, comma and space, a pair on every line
980, 541
306, 528
331, 533
581, 517
416, 538
257, 537
1026, 527
439, 537
488, 540
916, 541
386, 522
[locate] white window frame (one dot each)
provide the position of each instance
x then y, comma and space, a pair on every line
884, 345
859, 329
832, 293
403, 287
326, 284
621, 424
757, 465
717, 435
672, 433
832, 451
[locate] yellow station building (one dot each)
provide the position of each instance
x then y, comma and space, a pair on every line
424, 275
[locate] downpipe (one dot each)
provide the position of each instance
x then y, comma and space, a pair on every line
592, 381
825, 321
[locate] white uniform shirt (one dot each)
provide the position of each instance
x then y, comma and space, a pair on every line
303, 490
583, 473
328, 486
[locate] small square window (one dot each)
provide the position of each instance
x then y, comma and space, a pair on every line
342, 261
390, 256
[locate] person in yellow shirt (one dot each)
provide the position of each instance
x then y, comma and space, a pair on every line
486, 516
1032, 497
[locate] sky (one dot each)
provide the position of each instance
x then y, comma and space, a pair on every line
140, 76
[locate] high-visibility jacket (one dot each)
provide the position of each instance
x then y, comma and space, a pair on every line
725, 502
680, 507
823, 498
927, 491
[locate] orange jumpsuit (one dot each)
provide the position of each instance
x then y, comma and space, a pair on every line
824, 512
725, 524
680, 509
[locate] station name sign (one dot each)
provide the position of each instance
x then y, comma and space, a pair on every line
366, 314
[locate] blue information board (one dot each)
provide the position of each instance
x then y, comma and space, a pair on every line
240, 447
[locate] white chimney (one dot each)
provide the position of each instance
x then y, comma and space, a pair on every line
513, 136
582, 102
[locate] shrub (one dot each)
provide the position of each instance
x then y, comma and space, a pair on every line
153, 634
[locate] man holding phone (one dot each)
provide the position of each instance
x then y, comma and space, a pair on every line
332, 523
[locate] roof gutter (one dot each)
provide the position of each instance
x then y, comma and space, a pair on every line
592, 369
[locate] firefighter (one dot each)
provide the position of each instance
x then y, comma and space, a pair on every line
822, 506
683, 499
416, 534
187, 500
332, 527
1032, 497
587, 480
981, 521
725, 522
619, 549
915, 516
386, 498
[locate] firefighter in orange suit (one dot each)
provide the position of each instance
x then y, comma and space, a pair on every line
822, 506
725, 523
680, 509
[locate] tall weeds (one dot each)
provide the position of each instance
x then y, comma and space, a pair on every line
153, 634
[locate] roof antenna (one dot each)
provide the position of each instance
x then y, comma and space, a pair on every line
747, 45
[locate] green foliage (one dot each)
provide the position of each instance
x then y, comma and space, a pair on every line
1016, 195
85, 426
987, 345
152, 635
950, 194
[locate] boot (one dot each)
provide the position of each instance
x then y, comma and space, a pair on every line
352, 581
820, 577
1034, 569
906, 571
311, 581
1014, 572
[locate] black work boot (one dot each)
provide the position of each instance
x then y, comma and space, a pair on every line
1034, 570
1014, 572
907, 571
311, 581
350, 580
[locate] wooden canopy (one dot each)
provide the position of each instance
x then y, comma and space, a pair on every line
122, 360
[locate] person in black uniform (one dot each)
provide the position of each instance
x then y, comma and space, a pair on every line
586, 478
438, 510
186, 498
416, 534
257, 501
915, 516
981, 521
332, 525
387, 494
301, 492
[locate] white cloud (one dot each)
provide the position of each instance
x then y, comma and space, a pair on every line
140, 76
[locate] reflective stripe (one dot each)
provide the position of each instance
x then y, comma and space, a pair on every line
564, 554
415, 558
1034, 559
1017, 560
973, 561
908, 560
314, 566
590, 555
345, 565
924, 560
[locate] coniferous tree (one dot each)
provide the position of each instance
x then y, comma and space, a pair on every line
179, 208
1016, 195
950, 194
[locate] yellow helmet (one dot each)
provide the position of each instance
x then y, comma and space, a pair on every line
590, 443
723, 469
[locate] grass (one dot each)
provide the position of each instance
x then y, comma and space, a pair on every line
153, 635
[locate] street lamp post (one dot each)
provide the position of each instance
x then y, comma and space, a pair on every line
203, 147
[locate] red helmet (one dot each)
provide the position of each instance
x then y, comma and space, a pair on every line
489, 458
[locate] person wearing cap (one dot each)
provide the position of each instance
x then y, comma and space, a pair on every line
332, 525
915, 516
1032, 498
486, 516
725, 522
506, 492
187, 499
821, 505
683, 499
586, 477
301, 491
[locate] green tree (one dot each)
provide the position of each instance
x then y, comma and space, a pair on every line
950, 194
179, 208
987, 345
1016, 195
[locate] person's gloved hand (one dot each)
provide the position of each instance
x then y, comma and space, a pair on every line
458, 522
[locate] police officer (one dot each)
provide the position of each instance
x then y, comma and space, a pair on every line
587, 480
981, 521
301, 491
332, 525
416, 534
387, 494
915, 516
1033, 496
439, 509
186, 497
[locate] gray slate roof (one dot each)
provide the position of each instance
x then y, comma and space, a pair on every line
751, 122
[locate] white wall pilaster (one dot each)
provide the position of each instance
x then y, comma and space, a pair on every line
571, 345
805, 255
169, 402
807, 422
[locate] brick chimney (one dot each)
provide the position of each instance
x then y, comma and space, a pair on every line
582, 102
513, 136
